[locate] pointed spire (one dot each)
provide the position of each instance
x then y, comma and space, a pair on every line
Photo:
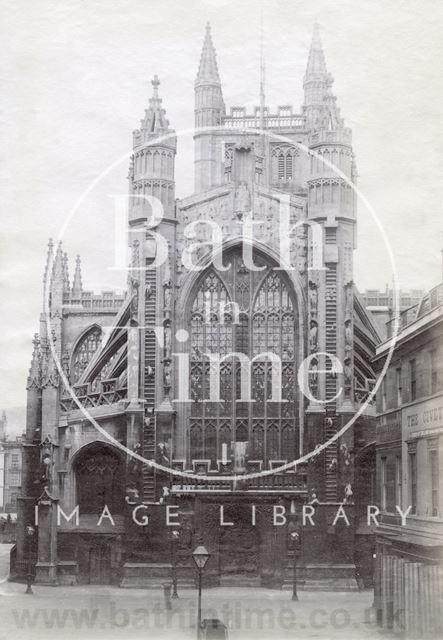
208, 70
317, 85
34, 376
316, 61
65, 272
3, 425
77, 286
58, 266
155, 121
49, 259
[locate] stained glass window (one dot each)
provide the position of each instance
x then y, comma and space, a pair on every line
251, 313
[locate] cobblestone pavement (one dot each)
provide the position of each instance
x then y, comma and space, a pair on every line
103, 613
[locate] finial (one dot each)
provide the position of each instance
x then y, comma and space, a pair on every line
155, 83
77, 287
316, 42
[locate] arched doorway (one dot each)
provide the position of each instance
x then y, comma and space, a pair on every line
248, 312
239, 548
99, 479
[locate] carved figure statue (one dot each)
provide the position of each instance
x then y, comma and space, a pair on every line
348, 333
347, 370
313, 335
313, 297
242, 200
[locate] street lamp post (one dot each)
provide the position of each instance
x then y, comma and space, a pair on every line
295, 537
30, 531
201, 556
175, 537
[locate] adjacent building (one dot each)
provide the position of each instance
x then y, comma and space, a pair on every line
144, 392
381, 304
410, 468
10, 469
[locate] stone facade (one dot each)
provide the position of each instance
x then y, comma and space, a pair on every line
254, 174
10, 468
409, 460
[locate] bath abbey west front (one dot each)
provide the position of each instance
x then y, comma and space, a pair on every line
148, 387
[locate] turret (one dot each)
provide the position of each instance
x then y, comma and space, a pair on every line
331, 205
151, 171
329, 194
209, 111
77, 287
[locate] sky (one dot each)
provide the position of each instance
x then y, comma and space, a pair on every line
76, 80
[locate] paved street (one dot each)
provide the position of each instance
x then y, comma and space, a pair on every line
109, 612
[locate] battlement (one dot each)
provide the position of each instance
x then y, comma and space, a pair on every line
106, 301
282, 119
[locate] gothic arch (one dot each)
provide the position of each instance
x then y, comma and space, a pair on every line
83, 350
97, 472
189, 282
271, 296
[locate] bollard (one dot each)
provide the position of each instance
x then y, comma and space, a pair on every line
167, 595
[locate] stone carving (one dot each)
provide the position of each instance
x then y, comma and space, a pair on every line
65, 363
347, 370
313, 497
349, 300
163, 456
167, 295
348, 334
313, 376
134, 288
167, 340
313, 298
242, 200
348, 493
134, 465
167, 374
346, 454
313, 336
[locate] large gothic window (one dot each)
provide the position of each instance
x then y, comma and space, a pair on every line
84, 352
253, 313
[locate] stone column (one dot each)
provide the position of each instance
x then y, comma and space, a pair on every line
46, 568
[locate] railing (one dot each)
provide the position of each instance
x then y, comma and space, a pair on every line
270, 122
97, 302
430, 301
282, 481
106, 392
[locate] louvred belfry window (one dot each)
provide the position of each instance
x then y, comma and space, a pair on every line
282, 163
252, 313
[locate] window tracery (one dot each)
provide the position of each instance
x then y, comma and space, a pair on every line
84, 351
283, 163
265, 323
